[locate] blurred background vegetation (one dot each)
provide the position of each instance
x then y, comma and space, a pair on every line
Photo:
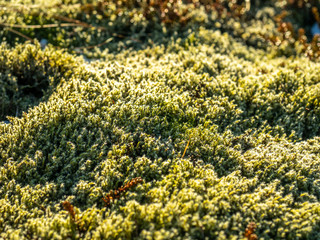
88, 27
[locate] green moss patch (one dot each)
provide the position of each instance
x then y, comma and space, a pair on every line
222, 133
29, 75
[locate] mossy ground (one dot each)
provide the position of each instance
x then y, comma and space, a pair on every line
245, 112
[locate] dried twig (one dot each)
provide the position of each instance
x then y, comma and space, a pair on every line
20, 34
80, 23
97, 45
53, 25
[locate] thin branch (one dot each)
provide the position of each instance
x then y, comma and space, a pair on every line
71, 20
54, 25
19, 6
97, 45
20, 34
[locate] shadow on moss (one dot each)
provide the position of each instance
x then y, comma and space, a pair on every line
29, 75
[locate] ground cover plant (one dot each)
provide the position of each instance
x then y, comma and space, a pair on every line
193, 119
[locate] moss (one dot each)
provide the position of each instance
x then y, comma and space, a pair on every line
29, 75
222, 134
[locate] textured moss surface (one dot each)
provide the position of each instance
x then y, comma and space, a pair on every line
246, 113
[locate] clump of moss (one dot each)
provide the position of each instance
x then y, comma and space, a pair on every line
29, 75
223, 134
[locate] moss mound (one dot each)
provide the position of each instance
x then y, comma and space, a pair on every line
29, 75
221, 125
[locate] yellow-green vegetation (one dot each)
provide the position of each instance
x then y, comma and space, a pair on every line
213, 107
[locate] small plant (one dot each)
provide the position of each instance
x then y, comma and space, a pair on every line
77, 223
249, 233
290, 37
115, 194
69, 207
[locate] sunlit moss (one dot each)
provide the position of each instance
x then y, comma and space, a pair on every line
222, 134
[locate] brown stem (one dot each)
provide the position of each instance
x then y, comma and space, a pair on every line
20, 34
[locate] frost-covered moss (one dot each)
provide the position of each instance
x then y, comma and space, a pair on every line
246, 118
